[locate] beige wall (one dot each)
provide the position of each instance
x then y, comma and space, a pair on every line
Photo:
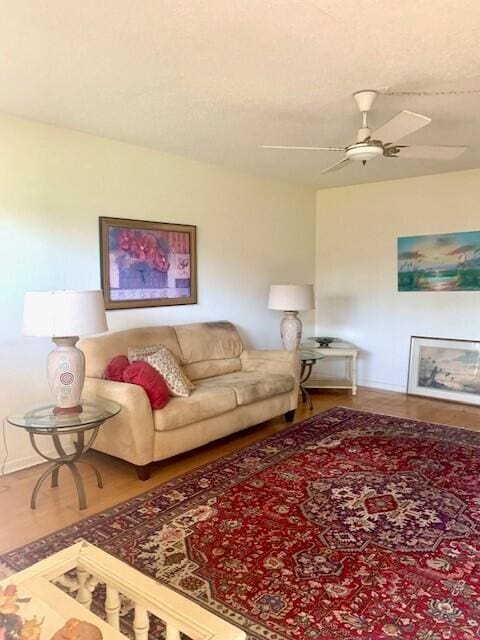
55, 183
356, 268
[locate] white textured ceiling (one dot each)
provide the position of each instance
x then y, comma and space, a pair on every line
214, 79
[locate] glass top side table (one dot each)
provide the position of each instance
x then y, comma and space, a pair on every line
41, 421
308, 357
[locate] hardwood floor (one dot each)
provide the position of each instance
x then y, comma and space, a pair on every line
57, 508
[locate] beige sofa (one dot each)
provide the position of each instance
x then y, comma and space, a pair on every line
234, 388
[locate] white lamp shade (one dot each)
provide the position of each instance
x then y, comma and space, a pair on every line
63, 313
291, 297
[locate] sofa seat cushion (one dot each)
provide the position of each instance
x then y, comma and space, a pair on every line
202, 403
250, 386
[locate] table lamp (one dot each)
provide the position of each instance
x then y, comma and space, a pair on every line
64, 316
291, 298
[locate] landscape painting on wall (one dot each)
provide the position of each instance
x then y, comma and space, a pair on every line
445, 262
444, 368
147, 264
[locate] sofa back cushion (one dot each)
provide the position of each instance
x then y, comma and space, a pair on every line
208, 341
101, 349
211, 368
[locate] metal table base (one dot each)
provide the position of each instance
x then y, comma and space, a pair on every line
305, 374
69, 460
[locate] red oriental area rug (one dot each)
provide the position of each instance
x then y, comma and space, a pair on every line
348, 525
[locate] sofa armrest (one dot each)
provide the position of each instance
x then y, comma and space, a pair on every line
130, 434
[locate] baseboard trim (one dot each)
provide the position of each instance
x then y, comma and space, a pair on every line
382, 386
17, 464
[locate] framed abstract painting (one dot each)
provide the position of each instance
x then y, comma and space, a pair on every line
147, 264
445, 368
441, 262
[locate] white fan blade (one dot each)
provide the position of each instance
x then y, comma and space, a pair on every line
269, 146
423, 152
336, 166
401, 125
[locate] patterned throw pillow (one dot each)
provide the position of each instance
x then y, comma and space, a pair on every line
166, 364
140, 353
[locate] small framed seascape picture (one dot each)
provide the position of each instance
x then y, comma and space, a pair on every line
445, 368
147, 264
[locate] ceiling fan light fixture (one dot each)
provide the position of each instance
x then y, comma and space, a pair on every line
364, 151
384, 141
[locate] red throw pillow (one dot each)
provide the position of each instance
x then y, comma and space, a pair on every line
146, 376
116, 367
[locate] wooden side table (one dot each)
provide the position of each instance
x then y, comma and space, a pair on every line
41, 421
349, 353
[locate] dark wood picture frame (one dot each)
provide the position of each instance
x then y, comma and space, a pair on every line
152, 261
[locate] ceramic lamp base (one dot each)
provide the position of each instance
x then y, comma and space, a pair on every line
66, 375
291, 330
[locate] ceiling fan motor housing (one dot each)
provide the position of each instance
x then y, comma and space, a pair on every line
363, 134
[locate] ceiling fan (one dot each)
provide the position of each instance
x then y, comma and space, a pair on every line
384, 140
